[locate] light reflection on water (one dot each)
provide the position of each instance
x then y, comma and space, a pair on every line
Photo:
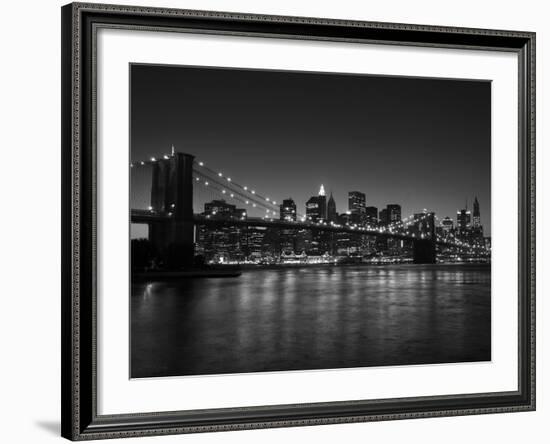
312, 318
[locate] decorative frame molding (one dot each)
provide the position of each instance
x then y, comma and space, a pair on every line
80, 22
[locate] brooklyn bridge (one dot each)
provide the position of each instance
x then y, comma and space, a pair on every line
172, 222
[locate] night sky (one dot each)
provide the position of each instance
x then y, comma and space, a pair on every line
418, 142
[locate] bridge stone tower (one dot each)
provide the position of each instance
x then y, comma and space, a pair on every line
172, 195
424, 249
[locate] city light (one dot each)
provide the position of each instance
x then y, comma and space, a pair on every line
421, 225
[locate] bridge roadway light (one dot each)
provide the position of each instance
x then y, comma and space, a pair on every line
201, 164
153, 159
220, 174
143, 163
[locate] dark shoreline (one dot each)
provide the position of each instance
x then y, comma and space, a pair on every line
221, 271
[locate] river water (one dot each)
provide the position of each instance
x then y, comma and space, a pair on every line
315, 317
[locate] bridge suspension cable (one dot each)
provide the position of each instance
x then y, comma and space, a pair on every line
220, 187
203, 169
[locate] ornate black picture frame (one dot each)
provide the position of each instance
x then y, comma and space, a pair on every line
80, 419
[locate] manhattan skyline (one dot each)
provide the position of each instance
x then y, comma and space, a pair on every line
419, 143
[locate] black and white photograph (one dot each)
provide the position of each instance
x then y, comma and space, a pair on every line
292, 220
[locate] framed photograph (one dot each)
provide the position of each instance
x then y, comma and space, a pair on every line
281, 221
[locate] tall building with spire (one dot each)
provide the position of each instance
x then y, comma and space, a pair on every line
477, 216
477, 228
332, 216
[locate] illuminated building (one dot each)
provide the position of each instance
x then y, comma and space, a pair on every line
287, 210
477, 217
287, 240
221, 243
313, 212
463, 220
316, 207
371, 214
356, 206
447, 225
393, 213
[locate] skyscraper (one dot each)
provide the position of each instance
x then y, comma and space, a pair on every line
393, 213
463, 220
287, 237
332, 216
287, 210
477, 216
447, 224
383, 216
313, 212
221, 243
371, 214
356, 203
316, 206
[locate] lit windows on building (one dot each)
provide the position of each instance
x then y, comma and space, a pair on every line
393, 213
447, 225
357, 202
287, 210
463, 220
